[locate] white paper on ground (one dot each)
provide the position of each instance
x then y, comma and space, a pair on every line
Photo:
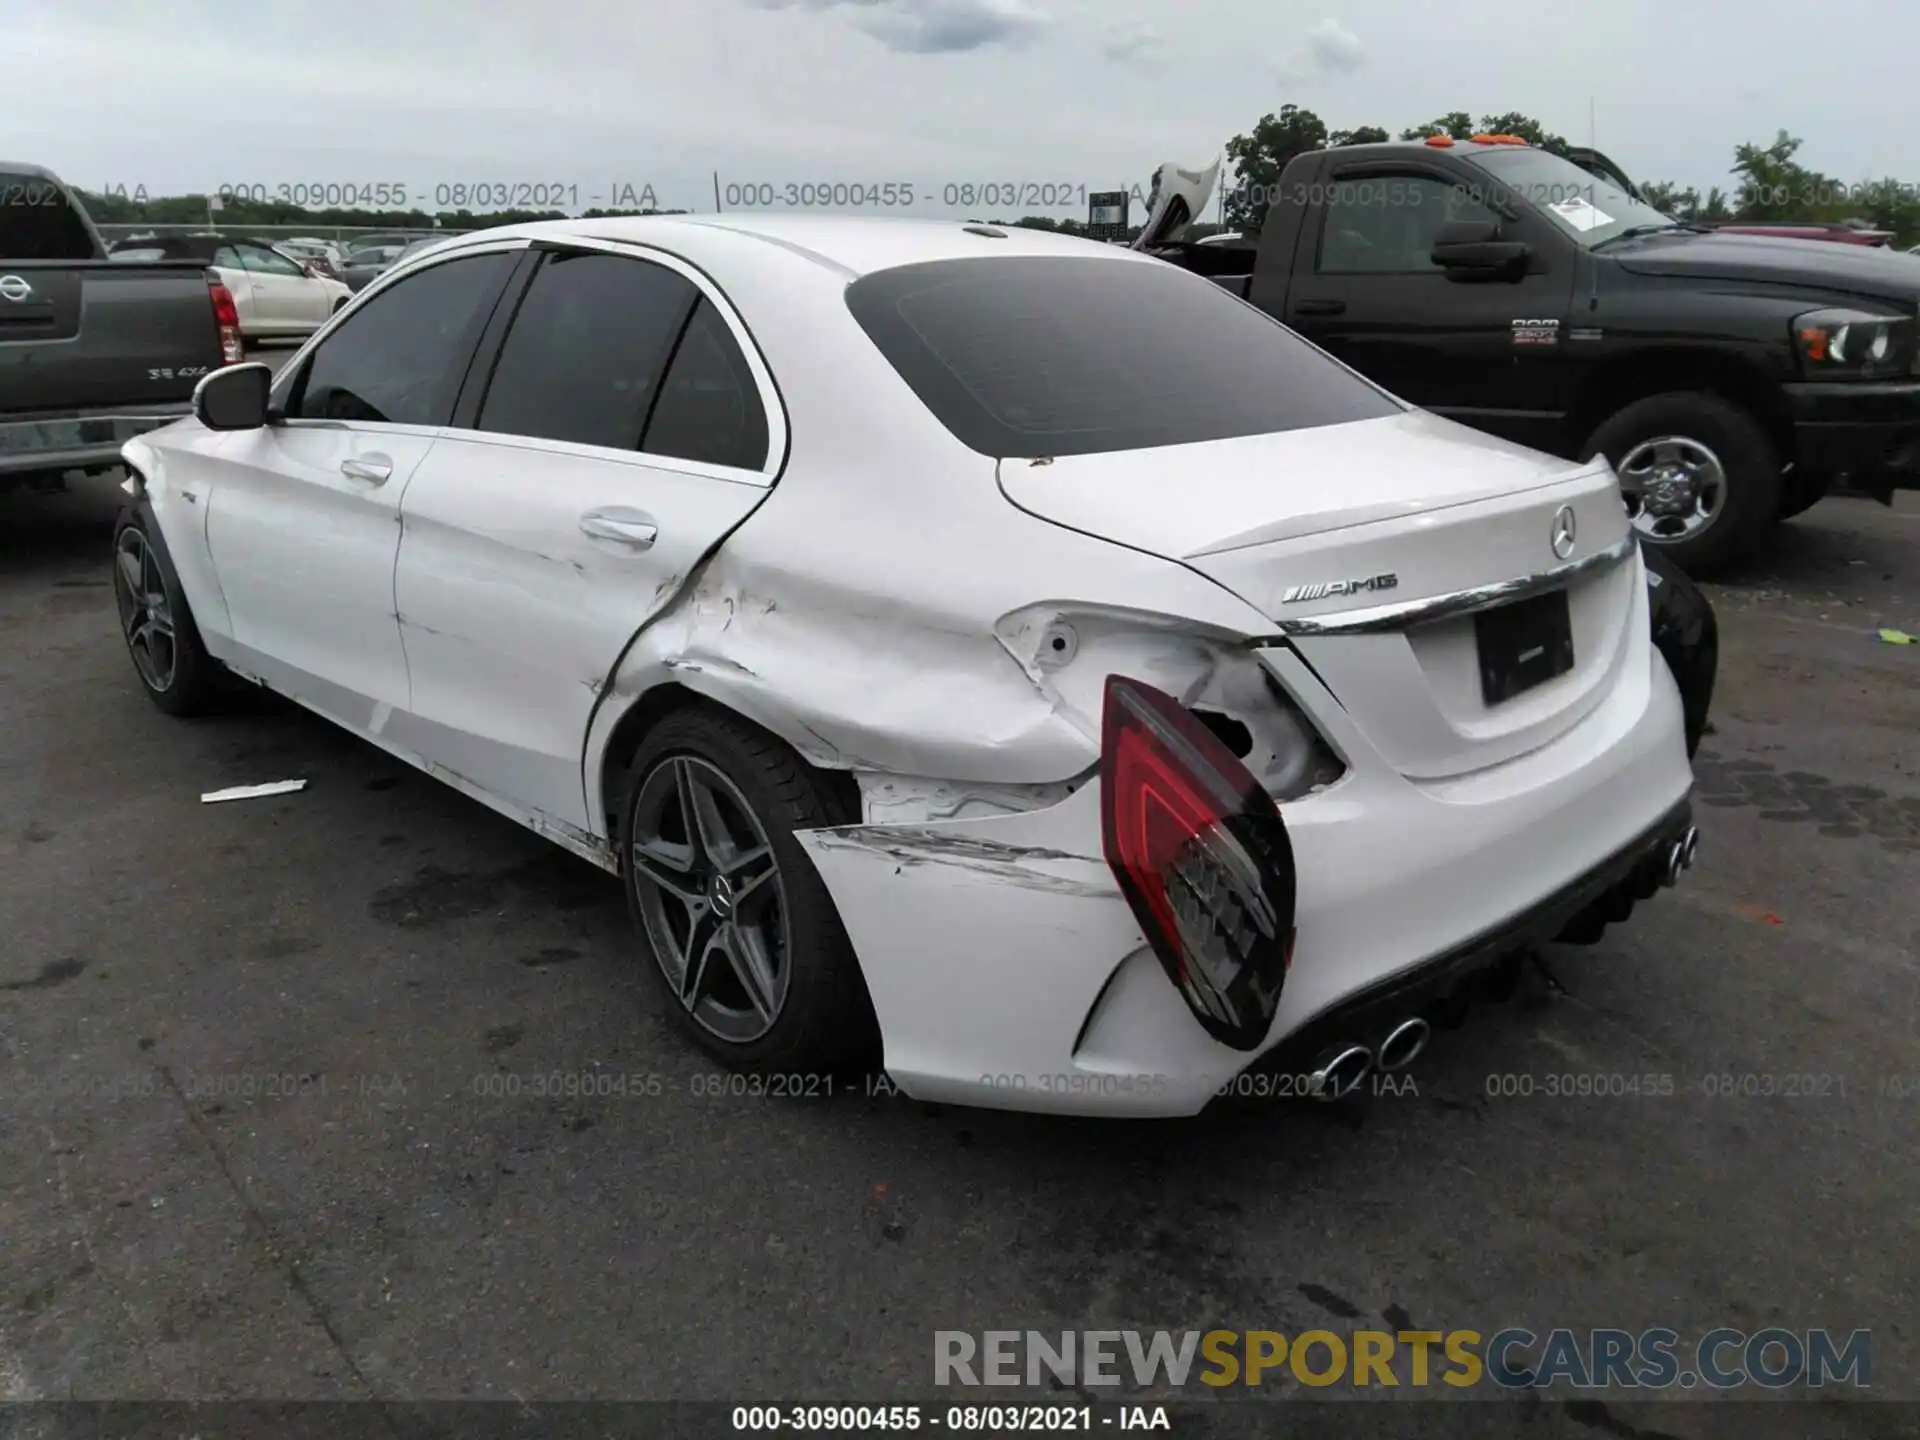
253, 792
1581, 213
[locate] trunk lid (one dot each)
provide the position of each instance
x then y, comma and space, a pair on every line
1375, 547
1177, 199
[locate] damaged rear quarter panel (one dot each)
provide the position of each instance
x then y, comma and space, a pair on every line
853, 614
892, 666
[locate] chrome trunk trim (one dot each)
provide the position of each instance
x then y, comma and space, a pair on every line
1405, 613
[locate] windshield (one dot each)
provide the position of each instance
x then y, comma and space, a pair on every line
1588, 208
1040, 356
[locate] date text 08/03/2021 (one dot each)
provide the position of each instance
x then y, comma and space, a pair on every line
482, 194
956, 1419
560, 194
881, 195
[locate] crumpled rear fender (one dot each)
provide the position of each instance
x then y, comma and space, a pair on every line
888, 661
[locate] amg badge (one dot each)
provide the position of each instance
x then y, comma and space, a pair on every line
1297, 593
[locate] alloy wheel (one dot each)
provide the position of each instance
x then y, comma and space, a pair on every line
1674, 487
145, 615
711, 897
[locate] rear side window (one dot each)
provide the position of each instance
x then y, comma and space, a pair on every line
1045, 356
401, 356
587, 350
38, 222
709, 407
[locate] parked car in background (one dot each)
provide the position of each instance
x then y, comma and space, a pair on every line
92, 353
323, 256
1731, 379
1241, 713
275, 297
1842, 232
368, 262
374, 240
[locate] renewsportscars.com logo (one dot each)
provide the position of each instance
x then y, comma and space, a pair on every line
1510, 1359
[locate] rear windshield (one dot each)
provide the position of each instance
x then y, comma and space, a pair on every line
38, 222
1053, 356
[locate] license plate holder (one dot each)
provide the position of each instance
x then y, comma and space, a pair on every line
1523, 644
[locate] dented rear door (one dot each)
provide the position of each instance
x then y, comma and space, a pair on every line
540, 540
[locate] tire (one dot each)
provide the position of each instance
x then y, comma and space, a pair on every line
807, 974
1687, 635
1694, 435
339, 305
177, 672
1803, 492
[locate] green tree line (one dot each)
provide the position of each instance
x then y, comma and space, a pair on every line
1766, 182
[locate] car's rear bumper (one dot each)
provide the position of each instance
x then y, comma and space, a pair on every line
79, 439
1006, 969
1865, 435
1607, 893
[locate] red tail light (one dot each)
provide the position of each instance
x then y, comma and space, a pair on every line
227, 316
1202, 855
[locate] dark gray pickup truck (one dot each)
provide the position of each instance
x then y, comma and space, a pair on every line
92, 352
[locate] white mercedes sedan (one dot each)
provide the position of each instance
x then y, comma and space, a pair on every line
1007, 656
269, 293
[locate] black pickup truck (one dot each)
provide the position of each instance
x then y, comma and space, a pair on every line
1731, 379
92, 352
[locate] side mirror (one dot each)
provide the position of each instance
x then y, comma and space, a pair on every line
1473, 249
234, 398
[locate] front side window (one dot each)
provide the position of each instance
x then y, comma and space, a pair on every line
1386, 224
1037, 356
267, 262
589, 344
399, 358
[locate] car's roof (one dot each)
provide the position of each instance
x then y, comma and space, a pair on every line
854, 245
20, 167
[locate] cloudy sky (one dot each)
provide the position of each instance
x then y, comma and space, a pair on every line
596, 94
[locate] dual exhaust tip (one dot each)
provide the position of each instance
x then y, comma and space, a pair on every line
1680, 857
1342, 1069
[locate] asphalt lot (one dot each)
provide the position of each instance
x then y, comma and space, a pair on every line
387, 946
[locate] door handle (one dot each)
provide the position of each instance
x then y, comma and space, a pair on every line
374, 469
627, 529
1320, 307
